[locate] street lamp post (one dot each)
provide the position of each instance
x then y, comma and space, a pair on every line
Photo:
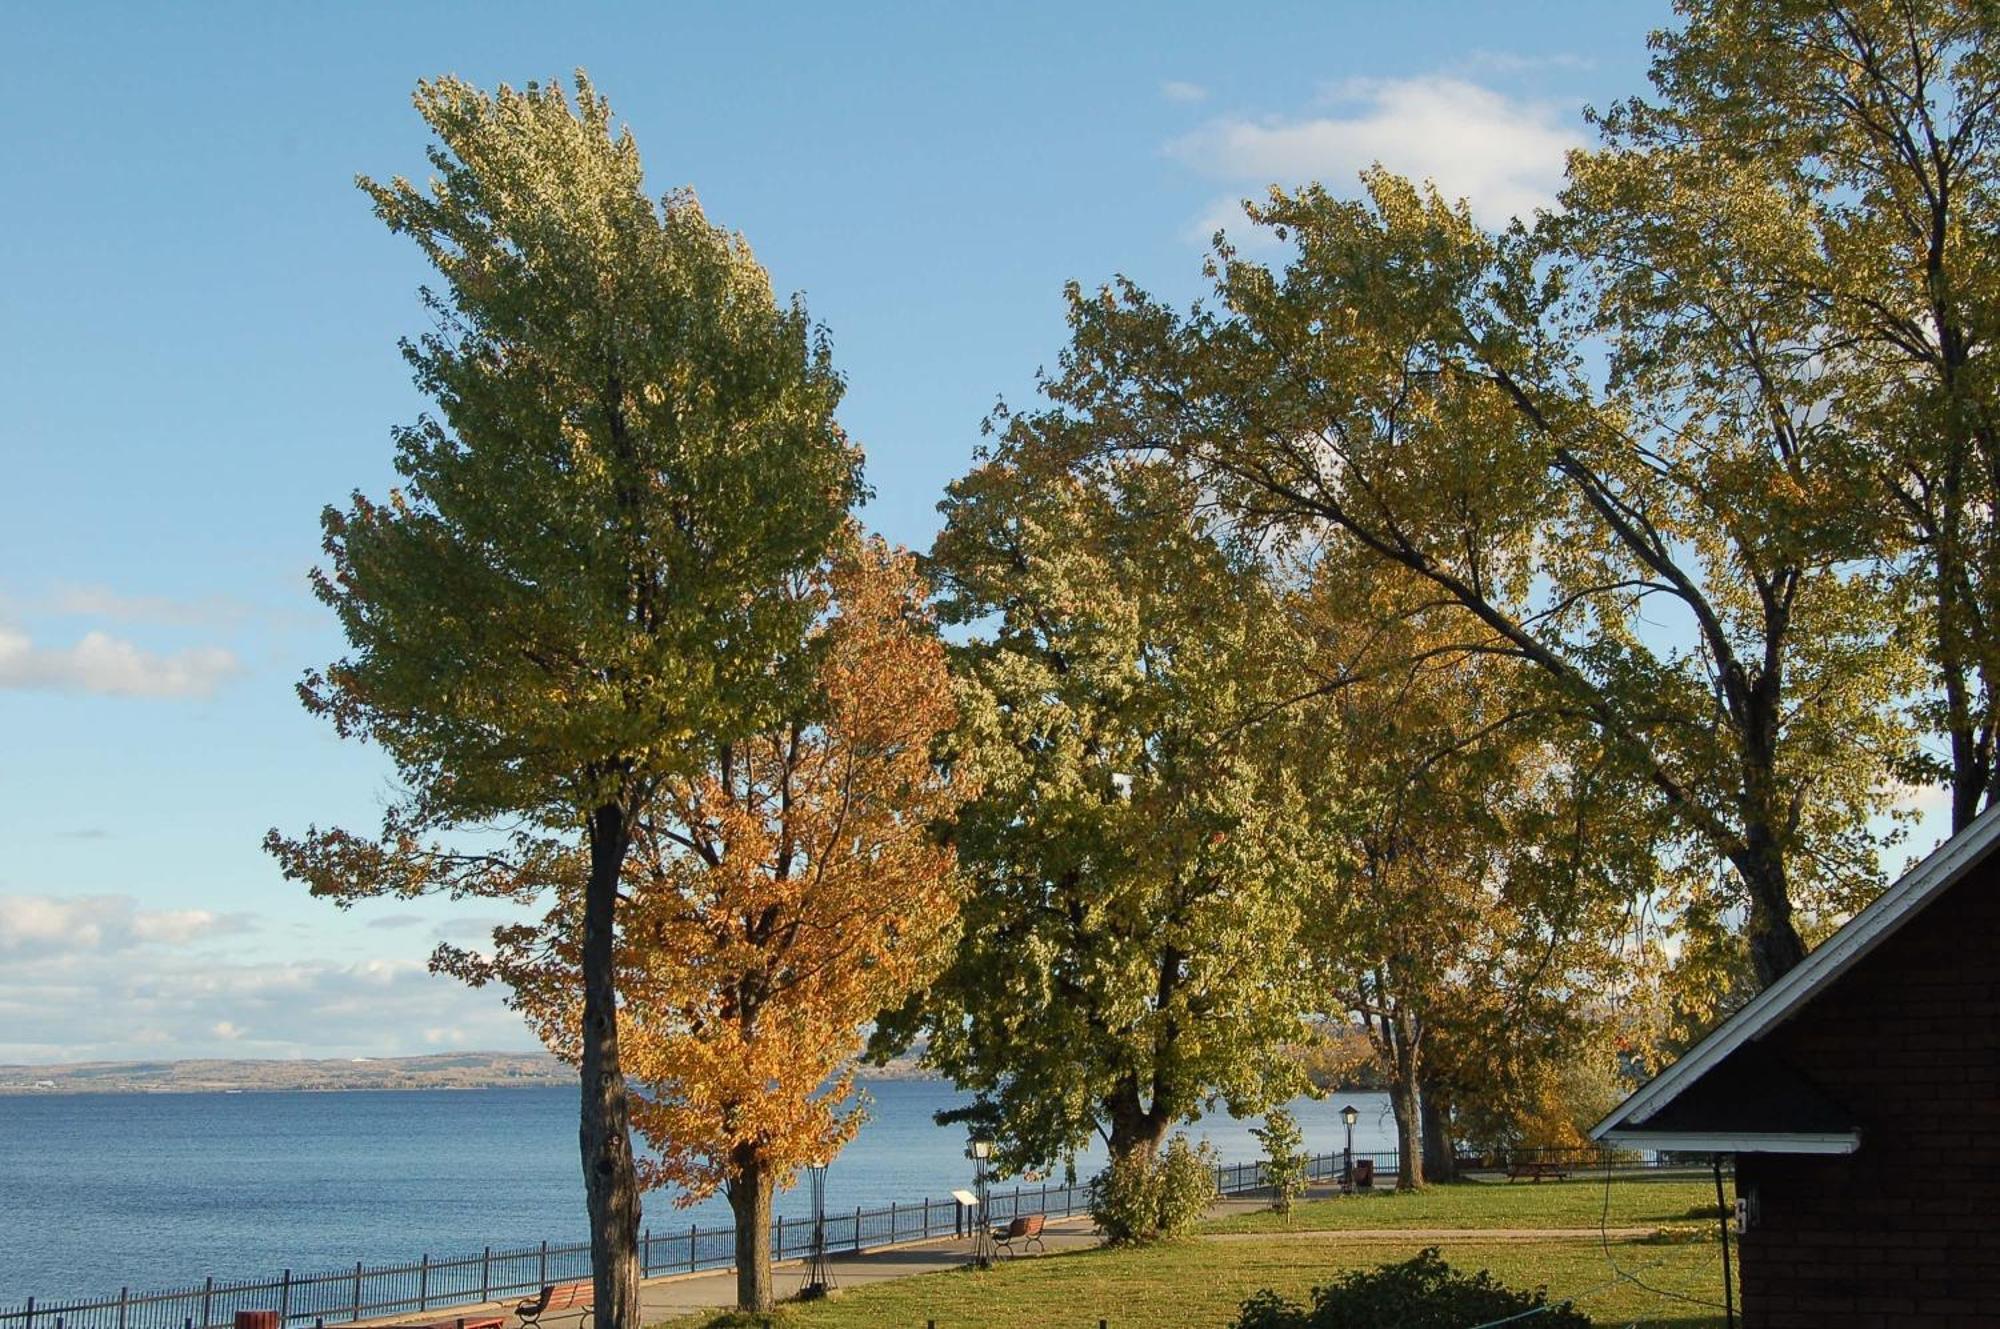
980, 1150
1350, 1115
819, 1278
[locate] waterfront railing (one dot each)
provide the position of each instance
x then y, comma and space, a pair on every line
414, 1289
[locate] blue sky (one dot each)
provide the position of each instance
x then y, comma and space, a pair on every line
198, 324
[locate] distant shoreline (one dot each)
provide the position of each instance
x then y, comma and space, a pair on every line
458, 1070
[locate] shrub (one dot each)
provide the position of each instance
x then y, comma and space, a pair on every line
1419, 1293
1187, 1186
1284, 1158
1141, 1198
1681, 1234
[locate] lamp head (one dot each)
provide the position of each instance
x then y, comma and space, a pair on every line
981, 1148
1350, 1114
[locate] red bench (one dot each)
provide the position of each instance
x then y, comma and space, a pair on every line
1027, 1229
556, 1297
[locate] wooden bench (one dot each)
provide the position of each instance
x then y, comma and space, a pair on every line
556, 1297
1027, 1229
1536, 1170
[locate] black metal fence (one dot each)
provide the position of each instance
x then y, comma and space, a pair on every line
368, 1292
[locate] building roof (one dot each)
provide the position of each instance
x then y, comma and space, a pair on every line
1708, 1102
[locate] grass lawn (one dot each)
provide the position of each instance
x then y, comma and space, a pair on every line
1198, 1284
1637, 1200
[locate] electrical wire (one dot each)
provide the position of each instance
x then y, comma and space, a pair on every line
1517, 1318
1604, 1244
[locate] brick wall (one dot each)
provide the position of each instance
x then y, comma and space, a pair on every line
1906, 1231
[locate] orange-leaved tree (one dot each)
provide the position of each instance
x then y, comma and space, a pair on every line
778, 899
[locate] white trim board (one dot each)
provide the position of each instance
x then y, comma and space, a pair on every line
1717, 1142
1839, 953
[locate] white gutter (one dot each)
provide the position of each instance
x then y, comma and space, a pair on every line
1717, 1142
1840, 952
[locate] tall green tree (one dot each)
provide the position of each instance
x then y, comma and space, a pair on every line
777, 899
564, 603
1136, 863
1491, 849
1661, 536
1842, 157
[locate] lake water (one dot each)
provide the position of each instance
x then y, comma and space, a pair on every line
155, 1191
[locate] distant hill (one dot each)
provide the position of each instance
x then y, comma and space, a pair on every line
451, 1070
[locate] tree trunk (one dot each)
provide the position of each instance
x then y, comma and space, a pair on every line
749, 1191
1135, 1130
1398, 1040
1775, 946
1409, 1147
1440, 1154
610, 1183
1971, 738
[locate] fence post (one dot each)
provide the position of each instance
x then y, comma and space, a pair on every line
542, 1274
207, 1290
285, 1298
486, 1275
691, 1236
357, 1290
124, 1298
780, 1237
30, 1321
857, 1228
646, 1253
423, 1282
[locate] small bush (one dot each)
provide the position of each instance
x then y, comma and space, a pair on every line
1284, 1158
1420, 1293
1139, 1198
1681, 1234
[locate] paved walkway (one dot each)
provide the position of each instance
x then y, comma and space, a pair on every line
661, 1298
682, 1294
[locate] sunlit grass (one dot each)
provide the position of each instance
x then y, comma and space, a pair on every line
1636, 1200
1199, 1284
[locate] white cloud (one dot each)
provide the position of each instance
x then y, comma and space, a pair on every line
111, 666
90, 601
1504, 156
177, 927
1225, 213
1175, 90
1513, 62
46, 926
93, 1006
1925, 800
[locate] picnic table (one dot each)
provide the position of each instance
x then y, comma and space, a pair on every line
1535, 1170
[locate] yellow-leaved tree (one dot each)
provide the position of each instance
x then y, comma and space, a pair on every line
777, 899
